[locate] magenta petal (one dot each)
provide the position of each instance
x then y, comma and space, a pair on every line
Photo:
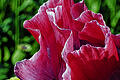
116, 39
46, 64
68, 47
87, 64
77, 9
88, 16
34, 70
111, 47
67, 18
51, 4
59, 16
92, 32
93, 63
39, 67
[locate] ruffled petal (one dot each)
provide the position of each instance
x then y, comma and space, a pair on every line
110, 47
93, 33
77, 9
55, 16
88, 16
93, 63
46, 64
53, 3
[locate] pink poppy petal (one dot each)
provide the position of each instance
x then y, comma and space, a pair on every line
77, 9
116, 39
59, 16
67, 18
93, 63
68, 47
92, 32
52, 40
40, 66
53, 3
88, 16
76, 25
46, 64
111, 47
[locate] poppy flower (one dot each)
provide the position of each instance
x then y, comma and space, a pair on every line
75, 43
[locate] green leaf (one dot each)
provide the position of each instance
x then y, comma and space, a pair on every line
2, 14
25, 4
2, 77
115, 19
26, 39
111, 4
2, 3
4, 39
17, 56
6, 54
25, 47
3, 72
7, 21
94, 5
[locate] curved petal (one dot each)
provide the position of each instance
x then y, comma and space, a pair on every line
47, 63
88, 16
93, 33
77, 9
93, 63
53, 3
55, 18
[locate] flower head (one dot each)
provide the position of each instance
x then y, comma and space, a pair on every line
75, 44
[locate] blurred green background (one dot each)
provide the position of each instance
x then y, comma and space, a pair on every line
16, 43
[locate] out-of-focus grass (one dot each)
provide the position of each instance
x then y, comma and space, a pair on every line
16, 43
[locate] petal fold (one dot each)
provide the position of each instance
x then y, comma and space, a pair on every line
92, 32
88, 16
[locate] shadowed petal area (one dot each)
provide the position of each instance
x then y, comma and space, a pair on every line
116, 39
93, 63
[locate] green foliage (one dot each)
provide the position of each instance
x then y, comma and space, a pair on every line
17, 56
94, 5
3, 72
6, 54
16, 43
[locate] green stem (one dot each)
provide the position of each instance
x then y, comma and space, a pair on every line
16, 3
